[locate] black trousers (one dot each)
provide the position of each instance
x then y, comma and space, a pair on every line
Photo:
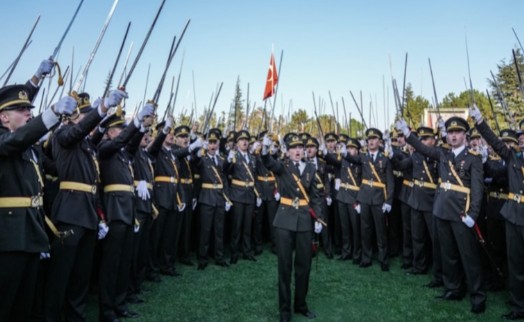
460, 253
372, 216
168, 226
241, 228
18, 274
185, 231
268, 209
69, 273
422, 236
515, 244
140, 258
345, 228
394, 228
211, 221
287, 243
354, 217
114, 268
407, 242
327, 242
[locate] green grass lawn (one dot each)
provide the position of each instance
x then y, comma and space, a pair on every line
339, 291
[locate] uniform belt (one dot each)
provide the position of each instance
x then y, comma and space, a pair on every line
166, 179
77, 186
424, 184
498, 195
21, 202
212, 186
296, 203
119, 187
450, 186
266, 179
515, 197
185, 181
408, 183
349, 186
373, 183
242, 183
51, 178
397, 173
196, 176
149, 185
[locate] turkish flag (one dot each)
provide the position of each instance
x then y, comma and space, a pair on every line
272, 78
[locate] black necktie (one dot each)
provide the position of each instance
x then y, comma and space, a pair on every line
216, 160
297, 165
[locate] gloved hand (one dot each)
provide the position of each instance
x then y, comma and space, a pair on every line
386, 135
266, 141
46, 66
343, 150
205, 145
468, 221
142, 191
96, 103
484, 153
277, 196
102, 230
181, 207
273, 148
145, 111
194, 203
323, 149
337, 184
488, 180
227, 206
402, 126
196, 145
318, 227
136, 227
259, 202
386, 208
389, 150
114, 98
357, 208
329, 201
475, 114
231, 156
66, 105
169, 125
442, 126
255, 147
45, 256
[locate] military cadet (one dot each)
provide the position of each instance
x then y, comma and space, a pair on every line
79, 177
300, 200
23, 239
347, 192
241, 166
116, 172
168, 196
182, 150
213, 200
375, 197
511, 211
333, 230
312, 146
456, 208
268, 188
399, 223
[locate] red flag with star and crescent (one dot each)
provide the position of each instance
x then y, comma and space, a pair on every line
272, 78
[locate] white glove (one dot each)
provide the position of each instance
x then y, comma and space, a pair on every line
196, 145
66, 105
442, 126
273, 149
194, 203
343, 150
329, 201
266, 141
142, 191
484, 153
468, 221
147, 110
277, 196
136, 228
323, 149
46, 66
45, 256
230, 156
181, 207
318, 227
168, 126
488, 180
102, 230
402, 126
337, 184
205, 145
386, 135
259, 202
227, 206
255, 147
114, 98
386, 208
96, 103
357, 208
475, 114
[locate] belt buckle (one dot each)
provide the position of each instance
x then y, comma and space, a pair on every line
295, 203
517, 198
215, 185
446, 186
172, 180
420, 183
370, 182
93, 189
35, 201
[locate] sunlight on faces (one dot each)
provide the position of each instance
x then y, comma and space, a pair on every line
311, 151
373, 144
352, 150
242, 145
168, 141
212, 147
113, 132
295, 153
182, 140
401, 140
16, 118
330, 145
456, 138
145, 140
428, 141
475, 142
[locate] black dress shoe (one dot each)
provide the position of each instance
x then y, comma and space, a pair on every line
249, 258
127, 314
233, 260
285, 317
343, 258
364, 265
406, 266
186, 262
434, 284
258, 252
451, 296
153, 278
169, 272
356, 262
202, 266
513, 316
478, 308
133, 299
307, 313
222, 263
384, 267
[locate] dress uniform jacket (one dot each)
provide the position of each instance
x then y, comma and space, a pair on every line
185, 174
244, 191
116, 168
76, 160
265, 180
143, 171
347, 192
212, 197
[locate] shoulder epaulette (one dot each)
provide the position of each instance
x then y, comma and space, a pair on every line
494, 157
471, 151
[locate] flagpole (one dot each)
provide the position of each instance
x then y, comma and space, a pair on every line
276, 88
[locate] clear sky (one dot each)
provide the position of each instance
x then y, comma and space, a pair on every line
332, 46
